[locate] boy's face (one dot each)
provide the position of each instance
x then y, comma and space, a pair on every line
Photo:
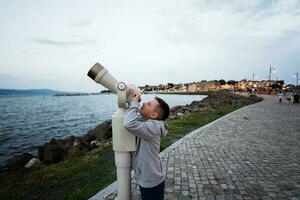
148, 109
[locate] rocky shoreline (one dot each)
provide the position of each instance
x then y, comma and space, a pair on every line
60, 149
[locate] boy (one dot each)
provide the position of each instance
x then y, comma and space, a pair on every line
149, 128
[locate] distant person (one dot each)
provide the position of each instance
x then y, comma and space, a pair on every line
280, 96
148, 124
289, 96
296, 98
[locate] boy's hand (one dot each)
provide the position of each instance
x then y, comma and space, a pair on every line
136, 96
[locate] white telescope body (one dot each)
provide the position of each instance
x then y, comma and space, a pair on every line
123, 141
101, 75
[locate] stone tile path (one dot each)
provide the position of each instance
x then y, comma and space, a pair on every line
252, 153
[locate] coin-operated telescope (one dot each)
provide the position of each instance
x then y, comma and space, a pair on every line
123, 141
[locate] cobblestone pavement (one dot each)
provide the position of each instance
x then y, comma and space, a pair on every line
252, 153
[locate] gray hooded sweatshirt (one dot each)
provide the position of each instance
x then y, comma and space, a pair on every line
147, 165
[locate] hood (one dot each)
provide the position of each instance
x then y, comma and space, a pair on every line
163, 129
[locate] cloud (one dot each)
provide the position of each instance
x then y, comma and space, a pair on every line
61, 43
179, 40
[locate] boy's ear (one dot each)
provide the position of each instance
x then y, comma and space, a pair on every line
154, 115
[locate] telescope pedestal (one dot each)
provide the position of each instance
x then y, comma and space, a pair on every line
123, 164
123, 145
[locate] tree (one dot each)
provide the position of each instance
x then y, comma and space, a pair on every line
222, 82
170, 85
231, 82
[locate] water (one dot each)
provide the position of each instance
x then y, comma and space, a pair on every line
27, 122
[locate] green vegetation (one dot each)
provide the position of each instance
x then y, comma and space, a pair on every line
83, 175
77, 178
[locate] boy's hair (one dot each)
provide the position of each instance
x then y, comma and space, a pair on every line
163, 109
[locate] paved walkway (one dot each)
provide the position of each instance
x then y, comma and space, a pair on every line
252, 153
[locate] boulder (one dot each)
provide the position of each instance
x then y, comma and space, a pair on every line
102, 132
76, 142
177, 109
73, 151
187, 111
18, 161
33, 163
54, 151
179, 114
195, 103
172, 117
95, 144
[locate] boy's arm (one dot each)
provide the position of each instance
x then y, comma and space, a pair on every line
146, 130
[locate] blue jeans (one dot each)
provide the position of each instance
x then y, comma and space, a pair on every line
156, 192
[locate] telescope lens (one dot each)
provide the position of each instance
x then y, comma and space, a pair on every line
95, 70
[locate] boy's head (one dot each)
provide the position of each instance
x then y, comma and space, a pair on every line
155, 109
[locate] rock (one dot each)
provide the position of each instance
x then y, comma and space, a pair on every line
107, 143
179, 114
186, 112
177, 109
54, 151
172, 117
33, 163
195, 103
76, 142
95, 144
18, 161
102, 132
73, 151
195, 109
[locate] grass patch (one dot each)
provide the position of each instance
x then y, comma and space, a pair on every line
83, 175
77, 178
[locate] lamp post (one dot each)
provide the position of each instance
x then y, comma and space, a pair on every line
254, 76
297, 78
272, 69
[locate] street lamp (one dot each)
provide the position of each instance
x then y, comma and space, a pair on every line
272, 69
254, 76
297, 78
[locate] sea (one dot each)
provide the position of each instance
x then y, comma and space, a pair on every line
27, 122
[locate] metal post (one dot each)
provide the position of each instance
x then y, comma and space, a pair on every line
270, 73
123, 163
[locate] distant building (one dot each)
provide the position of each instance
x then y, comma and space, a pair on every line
267, 86
203, 86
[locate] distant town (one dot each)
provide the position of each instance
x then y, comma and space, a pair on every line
265, 86
251, 86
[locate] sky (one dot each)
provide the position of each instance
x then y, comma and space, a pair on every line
53, 44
